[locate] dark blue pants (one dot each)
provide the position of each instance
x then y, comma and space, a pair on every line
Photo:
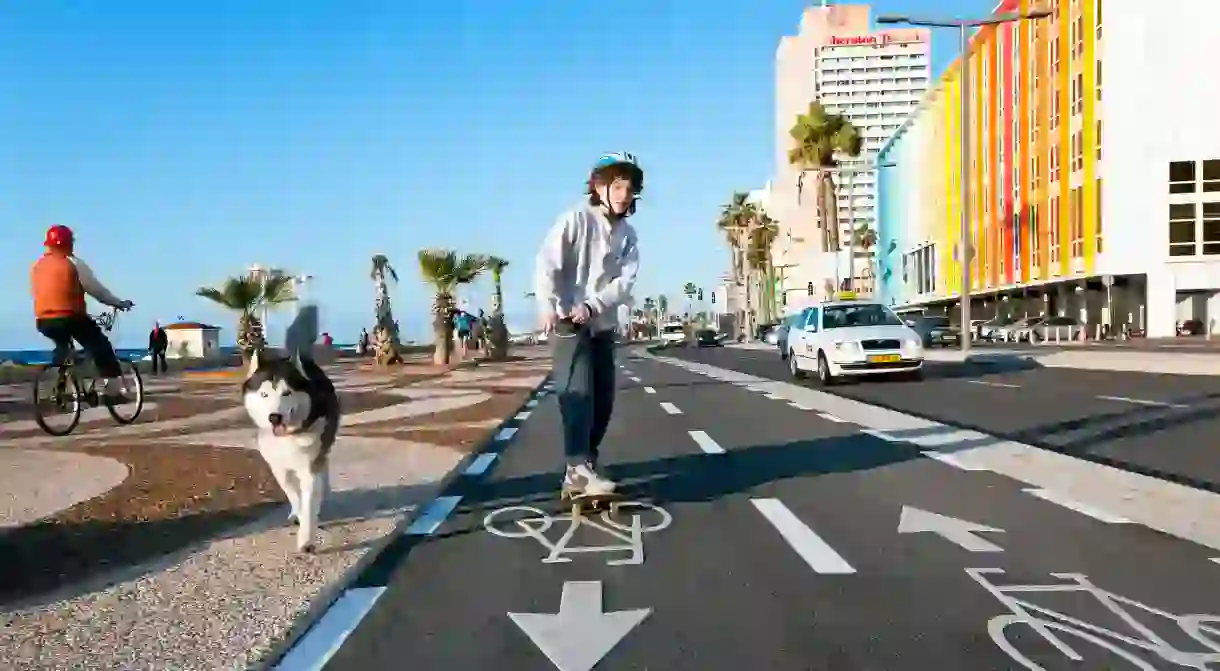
582, 367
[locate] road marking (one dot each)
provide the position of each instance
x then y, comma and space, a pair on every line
1071, 504
506, 433
481, 463
581, 633
756, 388
826, 415
533, 403
882, 435
821, 557
649, 390
773, 397
327, 635
950, 460
995, 384
957, 531
798, 406
706, 443
522, 416
1140, 401
633, 378
670, 408
1216, 559
434, 516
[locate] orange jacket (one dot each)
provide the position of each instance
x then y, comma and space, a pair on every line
56, 286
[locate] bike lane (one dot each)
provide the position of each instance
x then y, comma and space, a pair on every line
912, 527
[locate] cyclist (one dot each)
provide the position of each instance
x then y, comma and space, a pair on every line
59, 282
585, 270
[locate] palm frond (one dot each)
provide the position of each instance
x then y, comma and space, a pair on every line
236, 293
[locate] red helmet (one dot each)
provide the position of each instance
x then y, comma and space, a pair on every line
59, 236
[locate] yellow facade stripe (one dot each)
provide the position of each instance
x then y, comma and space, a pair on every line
1063, 85
1020, 112
994, 135
1041, 196
1089, 136
977, 192
951, 271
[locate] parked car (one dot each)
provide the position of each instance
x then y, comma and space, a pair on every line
935, 331
782, 331
1019, 330
989, 330
673, 333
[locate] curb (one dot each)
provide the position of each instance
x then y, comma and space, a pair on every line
329, 594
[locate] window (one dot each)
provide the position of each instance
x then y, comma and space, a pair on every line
1034, 244
1182, 177
1099, 217
1182, 229
1053, 232
1078, 39
1054, 47
1211, 175
1077, 151
1054, 108
1054, 167
1097, 139
1097, 19
1076, 222
1211, 229
1097, 83
1078, 94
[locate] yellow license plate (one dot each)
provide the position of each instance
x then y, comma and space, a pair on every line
884, 358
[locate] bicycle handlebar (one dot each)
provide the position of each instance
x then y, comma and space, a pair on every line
106, 319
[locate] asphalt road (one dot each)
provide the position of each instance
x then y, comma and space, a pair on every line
788, 540
1165, 426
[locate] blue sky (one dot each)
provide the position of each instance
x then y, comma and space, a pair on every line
185, 141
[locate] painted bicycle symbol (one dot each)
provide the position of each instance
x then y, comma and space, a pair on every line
624, 526
1204, 630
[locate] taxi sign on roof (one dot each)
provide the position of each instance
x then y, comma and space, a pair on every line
844, 296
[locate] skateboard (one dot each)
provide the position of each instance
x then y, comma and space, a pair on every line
594, 502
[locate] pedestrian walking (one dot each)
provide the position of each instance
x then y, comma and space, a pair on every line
158, 344
585, 270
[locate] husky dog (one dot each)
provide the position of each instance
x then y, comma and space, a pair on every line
296, 409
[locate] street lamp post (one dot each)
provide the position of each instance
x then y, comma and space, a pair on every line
850, 172
964, 26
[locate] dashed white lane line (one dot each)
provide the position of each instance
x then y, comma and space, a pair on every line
1216, 559
327, 635
533, 403
1140, 401
1070, 504
816, 552
433, 516
633, 378
670, 408
649, 390
828, 416
798, 406
706, 443
995, 384
481, 463
506, 433
773, 397
522, 416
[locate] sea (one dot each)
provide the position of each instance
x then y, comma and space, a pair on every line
34, 357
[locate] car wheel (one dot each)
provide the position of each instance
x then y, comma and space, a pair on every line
824, 375
797, 373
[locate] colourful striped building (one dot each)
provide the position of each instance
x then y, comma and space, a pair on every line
1061, 224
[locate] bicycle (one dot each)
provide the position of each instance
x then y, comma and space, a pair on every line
1202, 629
66, 387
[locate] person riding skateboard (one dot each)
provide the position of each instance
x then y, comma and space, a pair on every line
585, 270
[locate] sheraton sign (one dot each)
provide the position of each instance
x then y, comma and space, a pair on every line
880, 39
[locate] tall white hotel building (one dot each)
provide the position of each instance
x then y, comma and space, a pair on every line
874, 79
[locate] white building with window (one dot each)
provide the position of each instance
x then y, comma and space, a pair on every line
874, 79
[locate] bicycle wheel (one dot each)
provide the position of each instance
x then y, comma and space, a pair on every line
998, 625
133, 388
58, 391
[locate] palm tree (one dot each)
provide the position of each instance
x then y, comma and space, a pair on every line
663, 306
386, 346
445, 271
758, 255
733, 221
818, 137
498, 332
867, 238
650, 307
245, 295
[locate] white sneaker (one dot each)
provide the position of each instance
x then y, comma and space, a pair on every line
582, 479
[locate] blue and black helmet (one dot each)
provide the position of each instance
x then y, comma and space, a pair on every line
614, 158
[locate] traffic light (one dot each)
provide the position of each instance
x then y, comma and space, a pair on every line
701, 294
713, 298
809, 288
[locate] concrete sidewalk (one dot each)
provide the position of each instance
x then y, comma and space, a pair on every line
219, 583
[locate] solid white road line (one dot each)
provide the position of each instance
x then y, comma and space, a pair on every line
1140, 401
481, 463
322, 641
821, 557
670, 408
1070, 504
433, 516
706, 443
950, 460
649, 390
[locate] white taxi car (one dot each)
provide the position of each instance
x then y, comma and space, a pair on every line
848, 337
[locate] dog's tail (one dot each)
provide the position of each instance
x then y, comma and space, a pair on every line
303, 332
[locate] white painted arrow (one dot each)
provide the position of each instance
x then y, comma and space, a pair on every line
957, 531
580, 634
